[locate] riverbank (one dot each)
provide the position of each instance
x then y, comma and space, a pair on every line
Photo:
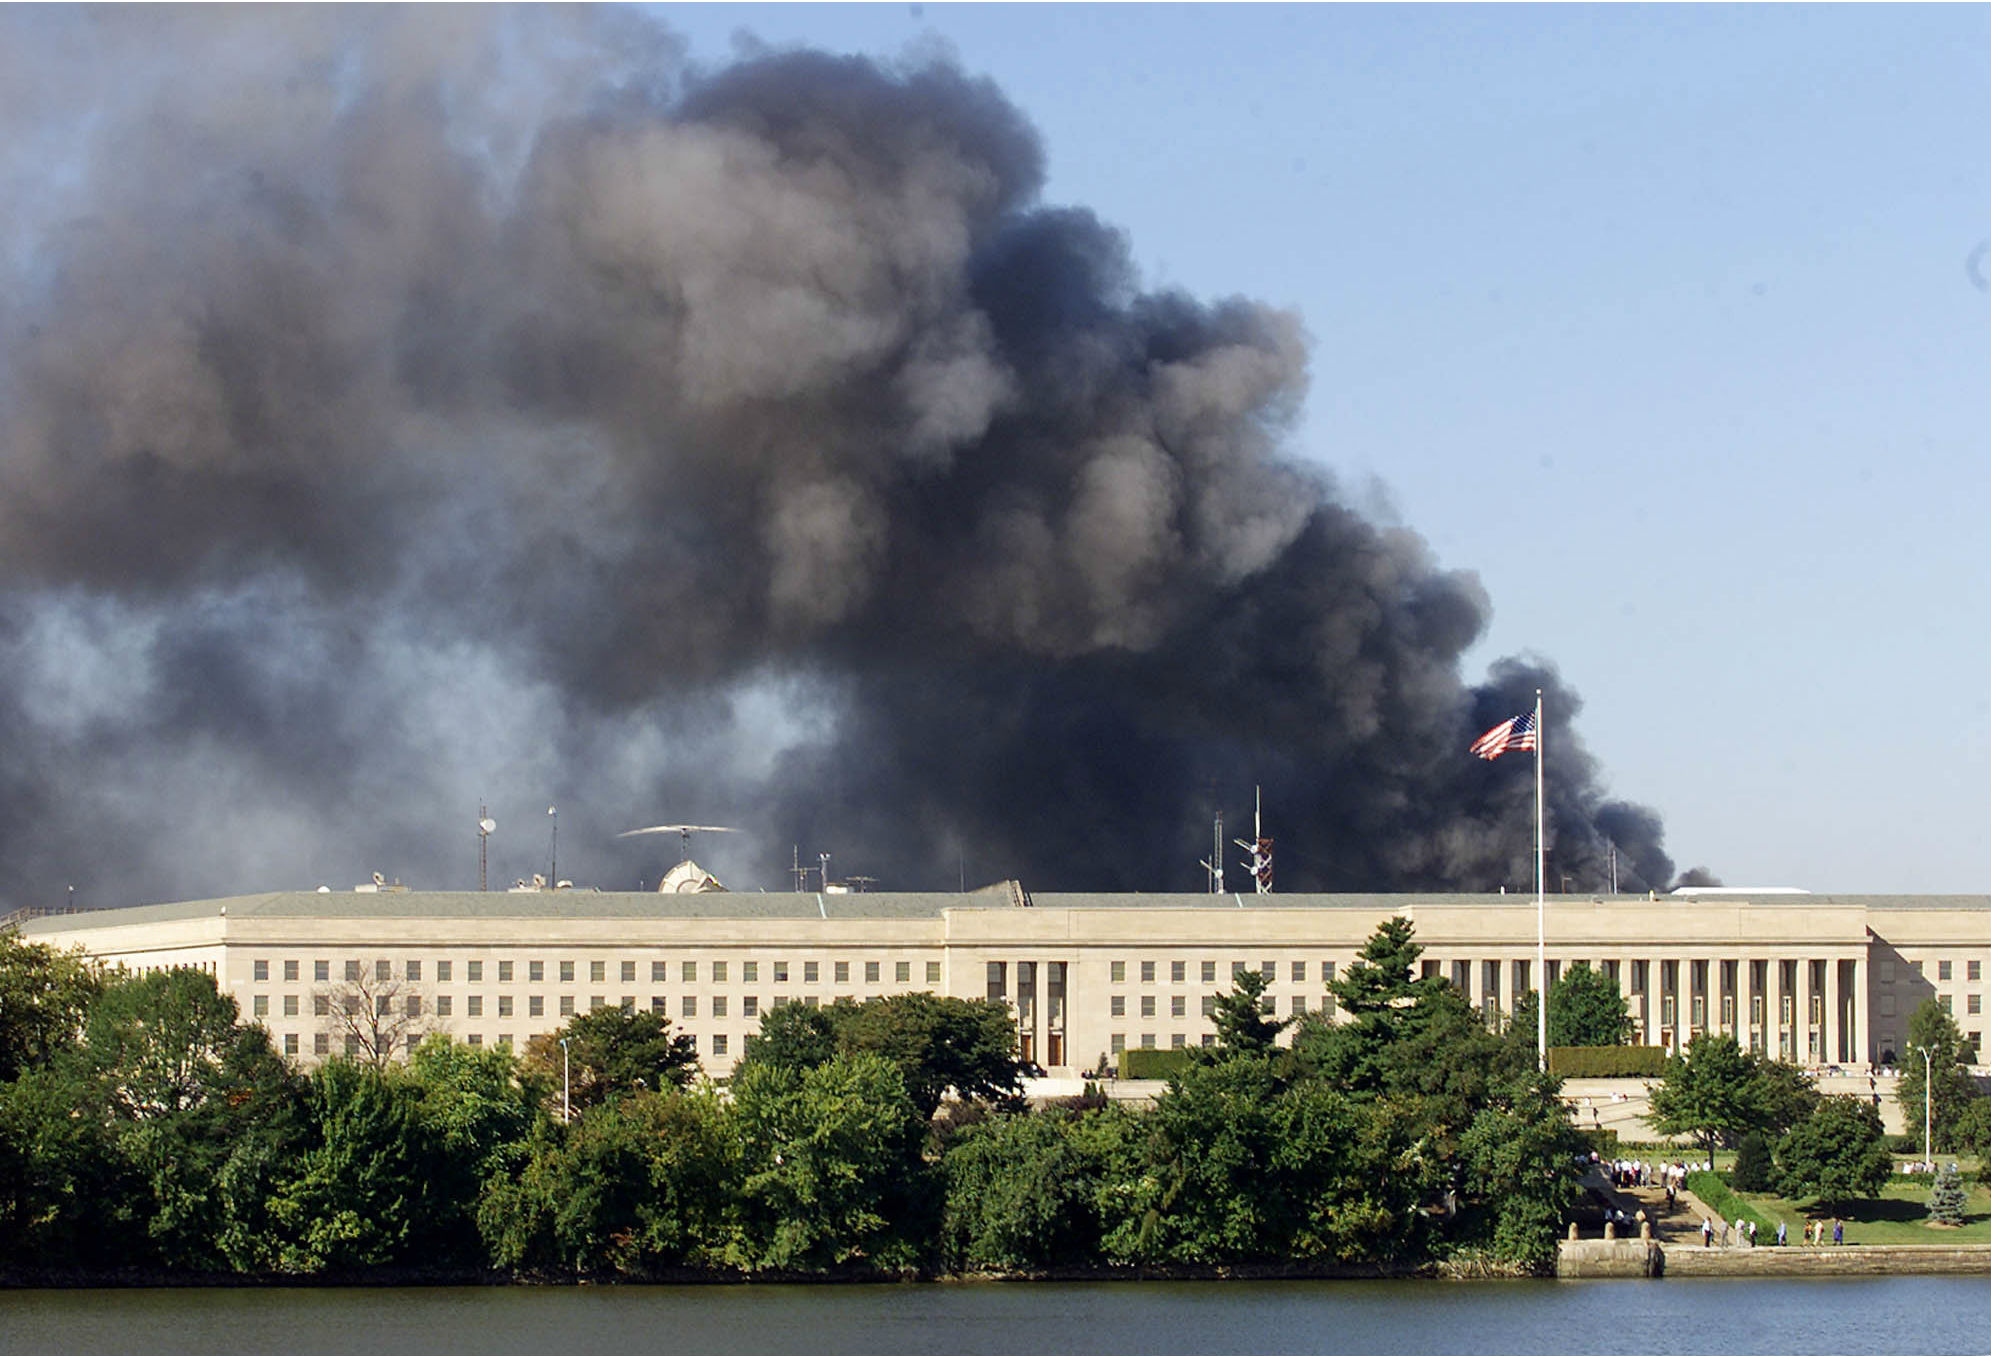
1621, 1258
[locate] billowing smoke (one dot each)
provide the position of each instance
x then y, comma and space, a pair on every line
402, 410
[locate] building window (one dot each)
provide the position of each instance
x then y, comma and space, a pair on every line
444, 971
1972, 1005
504, 1005
1147, 972
290, 1005
811, 972
1299, 972
535, 972
1117, 1042
902, 972
259, 970
750, 1006
871, 972
628, 1003
414, 971
810, 1001
566, 972
842, 972
1270, 969
290, 1042
781, 972
1327, 1005
321, 1005
1700, 1011
473, 972
749, 972
321, 971
596, 1002
414, 1005
657, 1004
628, 972
1178, 1006
1886, 1005
1209, 1005
1209, 972
1327, 972
1147, 1040
473, 1006
504, 976
1147, 1005
290, 972
719, 1005
383, 970
933, 972
352, 972
1942, 969
1178, 972
1118, 1006
382, 1005
659, 971
1299, 1005
1973, 971
442, 1005
566, 1005
1117, 971
321, 1044
535, 1006
475, 1038
352, 1045
597, 972
261, 1004
689, 1007
718, 972
505, 1043
719, 1044
1177, 1040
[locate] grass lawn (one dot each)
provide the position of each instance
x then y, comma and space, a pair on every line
1897, 1217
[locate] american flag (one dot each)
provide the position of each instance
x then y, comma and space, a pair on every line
1516, 732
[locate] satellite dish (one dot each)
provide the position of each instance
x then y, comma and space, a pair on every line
487, 827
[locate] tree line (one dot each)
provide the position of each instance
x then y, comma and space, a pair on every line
145, 1128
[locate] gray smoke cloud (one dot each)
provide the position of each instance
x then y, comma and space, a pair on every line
407, 409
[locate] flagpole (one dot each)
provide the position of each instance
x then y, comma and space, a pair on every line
1541, 902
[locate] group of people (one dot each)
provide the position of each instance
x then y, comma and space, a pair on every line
1630, 1172
1742, 1233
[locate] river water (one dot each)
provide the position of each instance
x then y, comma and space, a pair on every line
1933, 1315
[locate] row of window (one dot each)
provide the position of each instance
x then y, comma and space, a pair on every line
535, 971
321, 1043
444, 1005
1178, 1005
1178, 971
1973, 971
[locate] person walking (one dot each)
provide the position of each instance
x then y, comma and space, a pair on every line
1707, 1232
1838, 1233
1780, 1233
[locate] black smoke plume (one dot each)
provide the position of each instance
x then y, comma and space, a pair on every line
403, 410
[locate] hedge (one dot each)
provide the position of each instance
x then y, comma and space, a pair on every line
1607, 1061
1713, 1190
1153, 1063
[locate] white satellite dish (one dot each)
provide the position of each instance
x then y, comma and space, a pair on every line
487, 827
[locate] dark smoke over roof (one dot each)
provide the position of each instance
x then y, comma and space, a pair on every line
404, 409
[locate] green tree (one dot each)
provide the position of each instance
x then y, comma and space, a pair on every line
1244, 1031
1383, 1004
611, 1051
638, 1183
1024, 1192
1586, 1008
833, 1173
791, 1036
1947, 1199
939, 1045
1838, 1154
1712, 1092
45, 996
1753, 1163
68, 1197
1931, 1028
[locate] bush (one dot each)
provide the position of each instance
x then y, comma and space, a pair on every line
1603, 1143
1752, 1163
1946, 1198
1607, 1061
1153, 1063
1716, 1196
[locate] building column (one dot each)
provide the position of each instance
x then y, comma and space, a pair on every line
1830, 1054
1863, 1046
1773, 1008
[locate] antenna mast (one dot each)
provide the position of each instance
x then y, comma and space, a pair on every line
486, 826
1215, 866
553, 850
1259, 863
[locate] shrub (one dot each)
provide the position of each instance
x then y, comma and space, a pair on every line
1946, 1197
1714, 1193
1607, 1061
1153, 1063
1752, 1163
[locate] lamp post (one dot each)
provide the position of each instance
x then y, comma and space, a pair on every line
1928, 1120
566, 1085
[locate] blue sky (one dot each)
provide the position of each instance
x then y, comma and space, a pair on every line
1670, 322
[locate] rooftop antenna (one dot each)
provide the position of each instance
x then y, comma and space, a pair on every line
553, 849
1613, 855
799, 871
486, 826
683, 831
1215, 866
824, 869
1259, 863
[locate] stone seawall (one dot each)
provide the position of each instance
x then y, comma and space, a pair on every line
1609, 1258
1960, 1259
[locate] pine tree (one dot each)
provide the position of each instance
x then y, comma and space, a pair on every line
1946, 1198
1752, 1164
